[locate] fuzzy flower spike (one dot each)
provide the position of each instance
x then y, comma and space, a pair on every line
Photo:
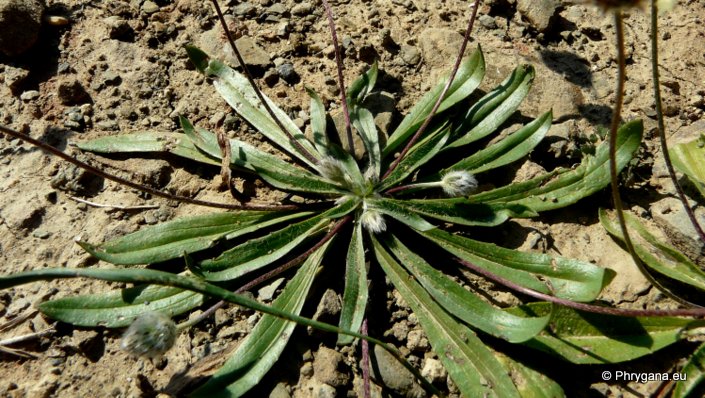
150, 335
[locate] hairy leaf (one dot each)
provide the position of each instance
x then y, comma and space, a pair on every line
463, 212
471, 365
356, 292
660, 257
119, 308
392, 209
694, 372
561, 277
466, 80
587, 338
464, 304
689, 159
256, 355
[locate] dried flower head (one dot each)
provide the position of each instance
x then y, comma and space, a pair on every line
458, 183
150, 335
333, 170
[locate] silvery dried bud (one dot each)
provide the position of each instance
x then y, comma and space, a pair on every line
150, 335
333, 170
458, 183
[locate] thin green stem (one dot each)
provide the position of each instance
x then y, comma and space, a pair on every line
100, 173
305, 153
427, 122
662, 125
614, 126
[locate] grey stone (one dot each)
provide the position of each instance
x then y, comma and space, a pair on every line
280, 391
434, 371
150, 7
29, 95
304, 8
329, 306
326, 366
277, 9
410, 54
439, 48
417, 341
245, 9
487, 21
14, 77
266, 293
394, 375
286, 71
538, 12
21, 21
252, 53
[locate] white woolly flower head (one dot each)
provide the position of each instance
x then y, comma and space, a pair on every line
372, 220
150, 335
333, 170
458, 183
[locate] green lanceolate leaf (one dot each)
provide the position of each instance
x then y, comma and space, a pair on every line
587, 338
146, 142
238, 93
399, 213
561, 277
529, 382
362, 86
466, 80
510, 149
694, 372
417, 157
471, 365
662, 258
464, 304
463, 212
119, 308
256, 355
275, 171
356, 292
494, 108
318, 121
568, 187
259, 252
172, 239
689, 159
364, 123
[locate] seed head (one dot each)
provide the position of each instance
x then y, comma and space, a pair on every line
458, 183
333, 170
150, 335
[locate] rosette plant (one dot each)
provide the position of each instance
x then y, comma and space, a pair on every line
410, 206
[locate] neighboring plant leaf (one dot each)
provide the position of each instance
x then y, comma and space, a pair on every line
462, 212
660, 257
494, 108
694, 372
120, 307
464, 304
468, 77
587, 338
510, 149
259, 252
570, 186
260, 350
172, 239
471, 365
689, 159
561, 277
238, 93
356, 292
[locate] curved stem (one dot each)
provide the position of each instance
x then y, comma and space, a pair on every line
100, 173
256, 89
426, 122
662, 125
341, 80
614, 126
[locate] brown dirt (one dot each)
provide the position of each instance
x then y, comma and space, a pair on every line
132, 74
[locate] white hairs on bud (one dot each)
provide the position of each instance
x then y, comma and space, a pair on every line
458, 183
150, 335
373, 221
